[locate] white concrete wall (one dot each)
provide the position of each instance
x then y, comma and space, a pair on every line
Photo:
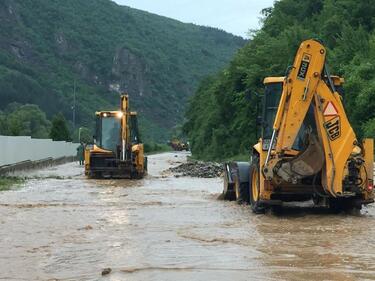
18, 149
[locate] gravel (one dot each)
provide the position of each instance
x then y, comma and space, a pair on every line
198, 169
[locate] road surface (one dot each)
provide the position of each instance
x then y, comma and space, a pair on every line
61, 226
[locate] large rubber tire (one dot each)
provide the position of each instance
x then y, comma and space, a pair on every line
228, 193
241, 191
337, 206
145, 163
254, 186
97, 175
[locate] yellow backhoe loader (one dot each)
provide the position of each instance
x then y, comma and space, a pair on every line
118, 151
308, 149
178, 145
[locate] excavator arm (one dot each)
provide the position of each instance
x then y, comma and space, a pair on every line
298, 91
125, 135
330, 142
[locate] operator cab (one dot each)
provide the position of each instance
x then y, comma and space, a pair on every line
108, 130
272, 95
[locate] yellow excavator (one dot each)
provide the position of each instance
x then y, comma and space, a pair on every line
178, 145
308, 149
118, 151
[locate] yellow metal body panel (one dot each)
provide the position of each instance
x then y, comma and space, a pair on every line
87, 160
264, 192
107, 112
138, 150
125, 133
337, 81
89, 151
303, 87
269, 80
368, 146
336, 151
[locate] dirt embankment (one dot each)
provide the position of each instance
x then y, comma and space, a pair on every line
198, 169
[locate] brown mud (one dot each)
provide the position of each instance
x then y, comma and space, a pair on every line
166, 228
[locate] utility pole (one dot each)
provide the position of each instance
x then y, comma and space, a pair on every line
74, 105
79, 135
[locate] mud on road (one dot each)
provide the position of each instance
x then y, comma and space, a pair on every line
61, 226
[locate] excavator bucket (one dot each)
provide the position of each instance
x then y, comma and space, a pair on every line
308, 163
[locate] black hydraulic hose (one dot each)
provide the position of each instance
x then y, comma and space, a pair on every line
315, 188
326, 72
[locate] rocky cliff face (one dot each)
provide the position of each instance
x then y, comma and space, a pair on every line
47, 45
129, 74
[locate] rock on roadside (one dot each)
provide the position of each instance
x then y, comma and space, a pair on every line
198, 169
106, 271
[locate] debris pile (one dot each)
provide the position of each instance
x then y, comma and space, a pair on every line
198, 169
106, 271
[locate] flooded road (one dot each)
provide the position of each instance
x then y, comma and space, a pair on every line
61, 226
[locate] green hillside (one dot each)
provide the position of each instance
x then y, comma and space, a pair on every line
228, 99
46, 45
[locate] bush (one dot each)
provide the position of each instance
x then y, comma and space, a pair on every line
59, 130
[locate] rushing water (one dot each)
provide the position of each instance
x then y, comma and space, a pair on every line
61, 226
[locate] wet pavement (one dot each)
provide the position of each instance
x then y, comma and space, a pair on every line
61, 226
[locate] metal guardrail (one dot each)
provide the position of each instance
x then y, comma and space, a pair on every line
31, 165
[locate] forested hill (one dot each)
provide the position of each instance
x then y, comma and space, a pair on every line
45, 45
228, 100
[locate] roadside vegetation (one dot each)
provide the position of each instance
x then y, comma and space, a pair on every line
7, 183
102, 48
221, 118
59, 130
29, 120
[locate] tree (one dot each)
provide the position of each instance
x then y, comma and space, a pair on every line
220, 117
84, 135
59, 130
3, 124
24, 120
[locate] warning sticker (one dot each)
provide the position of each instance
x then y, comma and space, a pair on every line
330, 110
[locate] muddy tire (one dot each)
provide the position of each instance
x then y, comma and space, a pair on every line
228, 192
228, 196
145, 164
341, 205
241, 191
97, 175
254, 186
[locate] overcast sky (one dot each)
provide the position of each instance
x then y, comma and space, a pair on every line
234, 16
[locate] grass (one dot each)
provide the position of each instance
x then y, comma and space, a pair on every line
6, 183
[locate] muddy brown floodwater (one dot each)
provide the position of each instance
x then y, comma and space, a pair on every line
61, 226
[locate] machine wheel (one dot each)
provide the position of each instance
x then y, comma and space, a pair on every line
228, 193
145, 163
241, 191
254, 186
342, 205
97, 175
